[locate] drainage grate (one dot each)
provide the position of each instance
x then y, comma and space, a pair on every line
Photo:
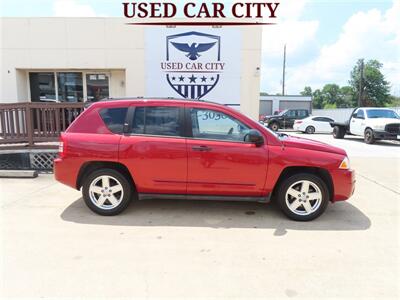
42, 161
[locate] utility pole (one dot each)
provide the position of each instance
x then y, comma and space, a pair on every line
284, 70
361, 88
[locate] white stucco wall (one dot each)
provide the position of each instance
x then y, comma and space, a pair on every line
99, 44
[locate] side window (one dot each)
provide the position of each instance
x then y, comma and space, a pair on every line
154, 120
317, 119
215, 125
291, 114
360, 114
114, 118
302, 113
327, 120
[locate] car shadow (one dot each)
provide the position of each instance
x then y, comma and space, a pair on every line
338, 216
378, 142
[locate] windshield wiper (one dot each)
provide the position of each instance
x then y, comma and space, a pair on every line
282, 134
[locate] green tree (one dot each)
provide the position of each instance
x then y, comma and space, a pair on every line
318, 99
307, 91
331, 93
376, 89
349, 98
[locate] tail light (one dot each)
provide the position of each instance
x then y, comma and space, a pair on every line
298, 122
62, 147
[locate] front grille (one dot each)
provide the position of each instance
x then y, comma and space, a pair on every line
393, 128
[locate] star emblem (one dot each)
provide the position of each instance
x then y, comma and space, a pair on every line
192, 78
181, 78
212, 78
203, 79
173, 78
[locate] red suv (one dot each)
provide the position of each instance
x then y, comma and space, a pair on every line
121, 150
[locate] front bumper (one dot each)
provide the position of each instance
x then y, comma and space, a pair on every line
344, 182
384, 135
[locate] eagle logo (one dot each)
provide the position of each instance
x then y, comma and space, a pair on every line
190, 83
194, 49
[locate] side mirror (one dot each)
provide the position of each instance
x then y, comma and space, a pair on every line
354, 115
254, 137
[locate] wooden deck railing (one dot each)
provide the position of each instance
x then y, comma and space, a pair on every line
32, 122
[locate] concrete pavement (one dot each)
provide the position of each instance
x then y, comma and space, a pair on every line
53, 246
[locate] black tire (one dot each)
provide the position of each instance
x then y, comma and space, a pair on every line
338, 132
274, 126
127, 191
310, 129
369, 136
288, 182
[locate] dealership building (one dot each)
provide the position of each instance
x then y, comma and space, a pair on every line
87, 59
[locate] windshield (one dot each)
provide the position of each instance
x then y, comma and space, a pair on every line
382, 113
282, 112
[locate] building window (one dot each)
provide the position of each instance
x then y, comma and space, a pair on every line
42, 86
97, 87
70, 87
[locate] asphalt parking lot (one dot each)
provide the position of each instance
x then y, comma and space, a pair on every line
53, 246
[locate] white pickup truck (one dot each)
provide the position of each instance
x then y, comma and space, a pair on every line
370, 122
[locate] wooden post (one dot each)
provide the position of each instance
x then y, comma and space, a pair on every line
29, 124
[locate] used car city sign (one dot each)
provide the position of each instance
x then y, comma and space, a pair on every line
200, 10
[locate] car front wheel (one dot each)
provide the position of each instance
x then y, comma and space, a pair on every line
274, 126
303, 197
107, 192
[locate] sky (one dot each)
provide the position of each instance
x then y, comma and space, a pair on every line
324, 38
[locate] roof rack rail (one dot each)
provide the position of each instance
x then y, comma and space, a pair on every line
88, 103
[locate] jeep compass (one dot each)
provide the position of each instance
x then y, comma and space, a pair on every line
137, 149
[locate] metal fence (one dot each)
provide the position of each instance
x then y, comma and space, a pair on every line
35, 122
341, 114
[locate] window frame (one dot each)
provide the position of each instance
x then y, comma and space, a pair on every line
131, 114
84, 72
189, 129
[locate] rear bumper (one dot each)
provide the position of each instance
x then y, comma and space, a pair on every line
66, 171
343, 184
296, 127
384, 135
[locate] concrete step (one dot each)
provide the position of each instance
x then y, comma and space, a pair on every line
18, 174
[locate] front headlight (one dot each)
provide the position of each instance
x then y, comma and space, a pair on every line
379, 127
345, 164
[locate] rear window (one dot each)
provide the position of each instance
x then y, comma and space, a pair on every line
114, 118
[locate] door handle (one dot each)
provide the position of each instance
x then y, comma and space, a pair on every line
201, 148
352, 121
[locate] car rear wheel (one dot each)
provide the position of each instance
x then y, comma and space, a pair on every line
303, 197
338, 132
310, 129
274, 126
107, 192
369, 136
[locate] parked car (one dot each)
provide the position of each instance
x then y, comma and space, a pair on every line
373, 123
116, 151
285, 119
314, 124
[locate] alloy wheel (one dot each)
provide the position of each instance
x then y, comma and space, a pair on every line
303, 197
106, 192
